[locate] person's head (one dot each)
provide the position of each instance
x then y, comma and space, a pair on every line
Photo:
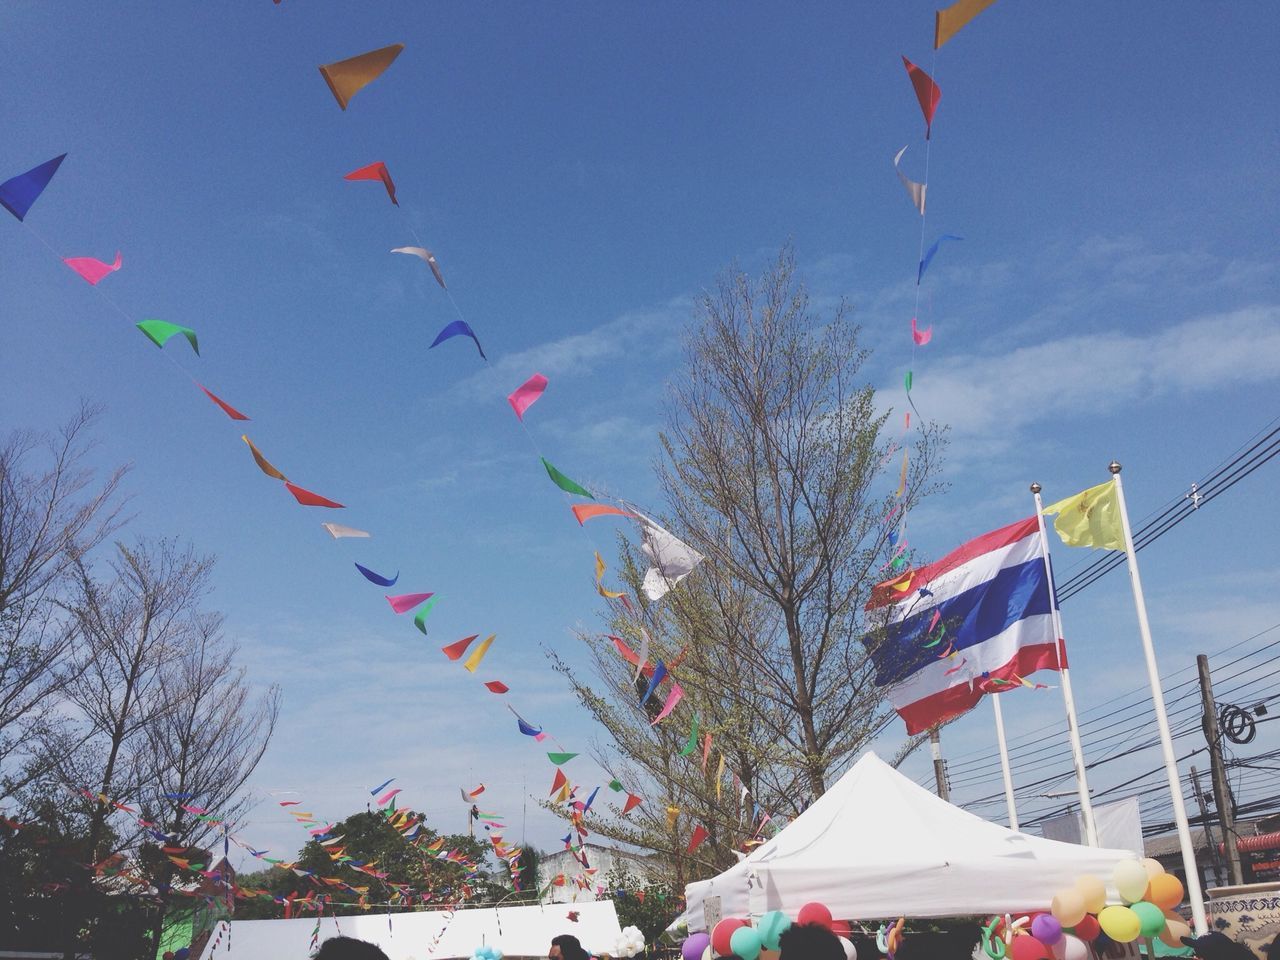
1273, 951
1216, 945
809, 941
349, 948
567, 947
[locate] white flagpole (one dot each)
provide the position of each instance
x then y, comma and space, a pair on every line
1004, 761
1073, 729
1162, 718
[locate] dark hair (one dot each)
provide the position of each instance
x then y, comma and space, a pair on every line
571, 949
1216, 945
1273, 951
810, 941
349, 948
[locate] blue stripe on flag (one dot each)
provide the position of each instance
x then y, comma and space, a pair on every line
978, 614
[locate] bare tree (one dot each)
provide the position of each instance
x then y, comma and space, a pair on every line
772, 455
773, 447
52, 511
205, 746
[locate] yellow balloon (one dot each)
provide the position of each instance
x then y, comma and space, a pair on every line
1175, 928
1130, 880
1120, 923
1153, 867
1094, 892
1068, 907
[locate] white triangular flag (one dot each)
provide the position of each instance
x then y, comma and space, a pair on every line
337, 531
672, 559
915, 190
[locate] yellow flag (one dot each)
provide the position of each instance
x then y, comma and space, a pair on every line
348, 77
478, 653
952, 20
1089, 519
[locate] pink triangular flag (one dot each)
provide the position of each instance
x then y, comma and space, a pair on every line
921, 337
524, 396
407, 601
673, 698
92, 270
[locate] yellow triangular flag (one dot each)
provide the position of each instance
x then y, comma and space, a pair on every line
348, 77
1089, 519
952, 20
719, 777
478, 653
263, 463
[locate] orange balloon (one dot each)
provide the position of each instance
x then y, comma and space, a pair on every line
1165, 891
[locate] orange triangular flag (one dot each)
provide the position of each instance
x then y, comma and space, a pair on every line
263, 464
699, 834
454, 651
348, 77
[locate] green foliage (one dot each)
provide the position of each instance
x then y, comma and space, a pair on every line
649, 906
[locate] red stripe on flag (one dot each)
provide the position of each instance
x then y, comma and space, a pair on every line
891, 591
952, 702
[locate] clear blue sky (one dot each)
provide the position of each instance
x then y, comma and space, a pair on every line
581, 171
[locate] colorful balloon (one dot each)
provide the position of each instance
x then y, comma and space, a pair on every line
1153, 867
693, 948
1120, 923
1068, 907
1087, 927
745, 943
1028, 948
1046, 929
1165, 891
1070, 948
722, 933
1130, 880
815, 913
850, 951
771, 927
1094, 892
1151, 917
1175, 928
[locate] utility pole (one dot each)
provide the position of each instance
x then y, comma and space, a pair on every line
939, 765
1221, 790
1204, 824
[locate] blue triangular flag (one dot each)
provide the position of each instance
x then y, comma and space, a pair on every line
659, 672
928, 255
380, 580
19, 193
459, 328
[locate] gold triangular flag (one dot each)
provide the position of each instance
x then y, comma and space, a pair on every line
346, 78
950, 21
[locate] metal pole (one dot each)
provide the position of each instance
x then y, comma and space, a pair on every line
1004, 762
1221, 789
1162, 718
1068, 701
939, 767
1204, 823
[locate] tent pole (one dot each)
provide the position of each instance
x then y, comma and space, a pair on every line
939, 766
1004, 762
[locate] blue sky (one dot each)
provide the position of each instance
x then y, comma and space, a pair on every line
582, 171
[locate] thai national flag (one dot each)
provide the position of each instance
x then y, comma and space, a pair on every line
951, 628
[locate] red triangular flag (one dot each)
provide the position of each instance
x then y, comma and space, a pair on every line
227, 408
560, 781
376, 171
699, 834
454, 651
309, 499
927, 92
496, 686
632, 802
640, 895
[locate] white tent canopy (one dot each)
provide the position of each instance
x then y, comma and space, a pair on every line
517, 931
877, 845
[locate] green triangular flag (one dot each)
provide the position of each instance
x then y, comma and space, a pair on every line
564, 483
907, 380
420, 621
559, 758
615, 786
693, 738
159, 332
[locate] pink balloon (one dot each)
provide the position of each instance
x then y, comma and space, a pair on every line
815, 913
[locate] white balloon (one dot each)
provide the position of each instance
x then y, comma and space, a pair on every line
850, 951
1070, 948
